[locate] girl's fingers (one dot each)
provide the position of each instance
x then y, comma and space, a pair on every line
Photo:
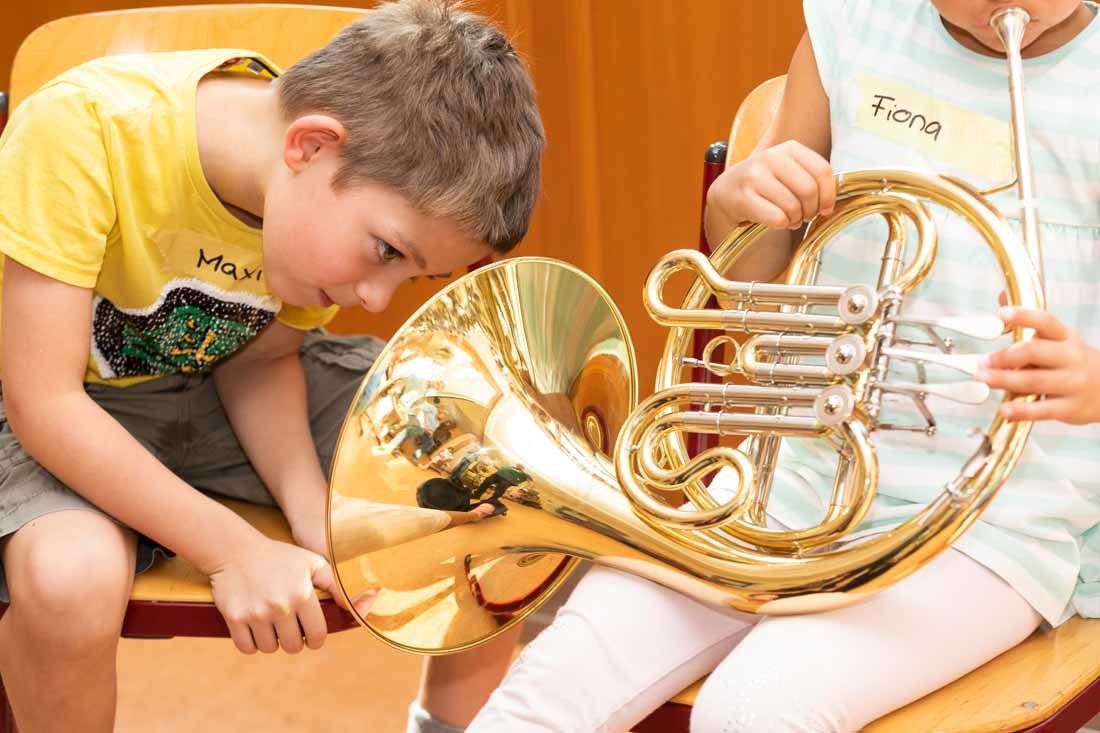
822, 172
773, 192
1044, 322
1057, 408
1033, 352
1029, 381
803, 185
764, 211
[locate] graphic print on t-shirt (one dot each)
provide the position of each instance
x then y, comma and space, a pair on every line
188, 329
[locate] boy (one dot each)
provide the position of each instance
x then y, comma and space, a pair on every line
192, 216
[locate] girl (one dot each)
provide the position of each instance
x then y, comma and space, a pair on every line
885, 84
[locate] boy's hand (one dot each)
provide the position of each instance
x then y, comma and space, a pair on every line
265, 593
1055, 363
783, 187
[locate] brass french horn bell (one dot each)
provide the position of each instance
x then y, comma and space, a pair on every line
505, 393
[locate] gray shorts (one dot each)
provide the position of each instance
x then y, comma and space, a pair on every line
180, 420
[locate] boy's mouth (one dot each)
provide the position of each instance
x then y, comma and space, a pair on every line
326, 302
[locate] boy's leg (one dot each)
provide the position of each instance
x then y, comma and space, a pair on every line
69, 574
842, 669
455, 695
334, 367
619, 647
454, 687
66, 569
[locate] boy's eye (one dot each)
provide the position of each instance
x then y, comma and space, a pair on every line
386, 251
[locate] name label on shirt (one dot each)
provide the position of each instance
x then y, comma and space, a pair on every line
229, 266
974, 143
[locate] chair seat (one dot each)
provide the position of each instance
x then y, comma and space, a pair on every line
1020, 688
173, 598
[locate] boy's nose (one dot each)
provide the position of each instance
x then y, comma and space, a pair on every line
374, 296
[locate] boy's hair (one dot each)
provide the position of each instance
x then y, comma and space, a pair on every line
437, 106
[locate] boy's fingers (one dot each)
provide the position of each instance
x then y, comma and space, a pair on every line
313, 624
1002, 299
264, 636
323, 579
289, 633
364, 601
242, 637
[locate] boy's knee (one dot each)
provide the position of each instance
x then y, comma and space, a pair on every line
84, 580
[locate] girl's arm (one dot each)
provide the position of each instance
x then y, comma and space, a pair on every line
786, 181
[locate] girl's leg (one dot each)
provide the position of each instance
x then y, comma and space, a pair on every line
69, 574
618, 649
839, 670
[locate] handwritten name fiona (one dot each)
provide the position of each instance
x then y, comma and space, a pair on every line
897, 114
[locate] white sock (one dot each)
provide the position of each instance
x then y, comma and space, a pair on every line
421, 721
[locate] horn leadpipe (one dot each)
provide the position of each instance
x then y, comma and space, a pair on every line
1010, 25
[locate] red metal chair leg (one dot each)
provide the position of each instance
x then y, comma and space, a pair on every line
7, 718
672, 717
1072, 716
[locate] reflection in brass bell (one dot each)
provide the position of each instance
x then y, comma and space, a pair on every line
497, 392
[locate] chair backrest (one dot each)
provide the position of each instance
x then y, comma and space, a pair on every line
753, 117
283, 33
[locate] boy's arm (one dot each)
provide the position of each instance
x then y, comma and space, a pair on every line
46, 350
45, 335
263, 389
786, 180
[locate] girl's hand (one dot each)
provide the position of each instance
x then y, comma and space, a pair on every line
783, 187
1054, 363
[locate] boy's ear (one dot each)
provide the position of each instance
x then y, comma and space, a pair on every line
308, 136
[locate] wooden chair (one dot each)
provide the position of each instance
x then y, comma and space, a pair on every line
173, 598
1049, 683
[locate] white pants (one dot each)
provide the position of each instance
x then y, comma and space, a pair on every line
621, 646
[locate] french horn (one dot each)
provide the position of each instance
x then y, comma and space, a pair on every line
512, 394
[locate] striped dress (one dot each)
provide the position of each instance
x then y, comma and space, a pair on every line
904, 94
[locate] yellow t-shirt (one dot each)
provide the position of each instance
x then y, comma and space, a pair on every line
102, 188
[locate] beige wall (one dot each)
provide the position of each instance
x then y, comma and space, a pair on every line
632, 92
